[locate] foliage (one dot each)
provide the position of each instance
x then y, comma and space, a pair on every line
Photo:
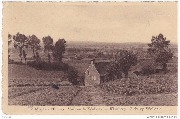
124, 60
34, 42
158, 49
10, 61
164, 57
59, 49
9, 39
71, 72
113, 72
42, 65
149, 69
20, 42
72, 75
9, 42
48, 45
15, 62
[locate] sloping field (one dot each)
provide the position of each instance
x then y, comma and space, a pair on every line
23, 75
44, 96
28, 86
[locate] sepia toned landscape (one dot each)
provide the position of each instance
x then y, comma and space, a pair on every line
43, 82
49, 69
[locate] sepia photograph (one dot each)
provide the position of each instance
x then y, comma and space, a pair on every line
90, 54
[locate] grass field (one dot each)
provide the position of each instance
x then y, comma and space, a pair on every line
23, 75
28, 86
42, 96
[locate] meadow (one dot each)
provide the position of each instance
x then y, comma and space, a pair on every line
30, 86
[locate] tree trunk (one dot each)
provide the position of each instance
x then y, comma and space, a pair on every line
60, 59
24, 55
164, 67
33, 54
49, 58
20, 53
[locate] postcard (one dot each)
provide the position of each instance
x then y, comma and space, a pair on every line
118, 58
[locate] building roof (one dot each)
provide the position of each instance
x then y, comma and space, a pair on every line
92, 67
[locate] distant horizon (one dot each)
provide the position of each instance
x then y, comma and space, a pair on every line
105, 43
101, 41
116, 42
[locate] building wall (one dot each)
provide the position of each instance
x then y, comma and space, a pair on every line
92, 77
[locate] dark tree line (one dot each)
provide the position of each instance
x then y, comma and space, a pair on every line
22, 42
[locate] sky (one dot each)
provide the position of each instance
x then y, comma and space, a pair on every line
101, 22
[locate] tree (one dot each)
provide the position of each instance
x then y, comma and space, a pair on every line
124, 60
48, 46
34, 42
113, 72
9, 42
20, 42
159, 51
59, 49
9, 39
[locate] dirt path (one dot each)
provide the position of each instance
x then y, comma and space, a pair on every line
89, 96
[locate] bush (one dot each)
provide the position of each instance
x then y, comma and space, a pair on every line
10, 61
72, 73
74, 76
42, 65
148, 70
16, 62
81, 80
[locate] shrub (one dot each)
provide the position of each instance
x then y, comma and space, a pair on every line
148, 70
72, 75
124, 60
42, 65
16, 62
81, 80
10, 61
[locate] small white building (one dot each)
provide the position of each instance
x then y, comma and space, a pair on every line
92, 76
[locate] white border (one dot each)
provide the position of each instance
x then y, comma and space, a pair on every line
3, 116
97, 0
